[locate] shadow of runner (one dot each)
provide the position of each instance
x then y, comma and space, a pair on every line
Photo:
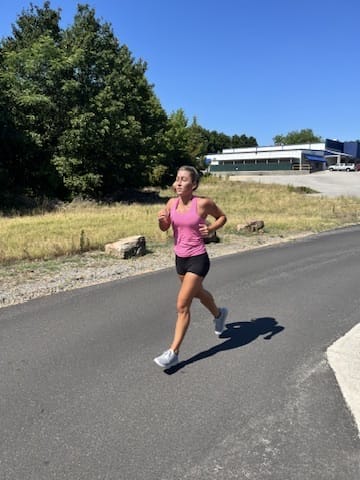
237, 334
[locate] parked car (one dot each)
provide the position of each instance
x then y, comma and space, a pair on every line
342, 167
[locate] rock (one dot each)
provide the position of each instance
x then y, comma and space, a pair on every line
134, 246
252, 227
212, 237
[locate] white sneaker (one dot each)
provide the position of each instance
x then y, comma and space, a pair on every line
220, 321
167, 359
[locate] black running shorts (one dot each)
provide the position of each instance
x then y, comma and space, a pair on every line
199, 264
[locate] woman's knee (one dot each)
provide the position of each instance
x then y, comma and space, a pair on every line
183, 305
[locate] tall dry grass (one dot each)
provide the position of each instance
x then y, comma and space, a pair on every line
87, 226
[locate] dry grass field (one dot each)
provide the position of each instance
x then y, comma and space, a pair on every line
87, 226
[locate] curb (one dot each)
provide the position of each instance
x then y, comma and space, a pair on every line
344, 359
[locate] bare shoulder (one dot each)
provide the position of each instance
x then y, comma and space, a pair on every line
170, 203
204, 202
207, 206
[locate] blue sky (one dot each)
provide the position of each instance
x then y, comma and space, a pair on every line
253, 67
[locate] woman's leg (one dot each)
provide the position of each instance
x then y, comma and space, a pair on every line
220, 315
191, 284
208, 301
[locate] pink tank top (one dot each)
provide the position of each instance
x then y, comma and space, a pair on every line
187, 239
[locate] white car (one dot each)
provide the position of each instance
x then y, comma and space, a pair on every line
342, 167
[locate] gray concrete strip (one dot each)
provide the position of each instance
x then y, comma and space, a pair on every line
344, 359
329, 184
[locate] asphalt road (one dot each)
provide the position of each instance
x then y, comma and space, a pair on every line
81, 398
331, 184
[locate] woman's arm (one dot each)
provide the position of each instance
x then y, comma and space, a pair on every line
209, 207
164, 217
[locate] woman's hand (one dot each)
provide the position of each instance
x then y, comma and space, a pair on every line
204, 230
164, 219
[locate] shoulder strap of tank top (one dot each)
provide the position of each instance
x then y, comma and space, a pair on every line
175, 204
194, 204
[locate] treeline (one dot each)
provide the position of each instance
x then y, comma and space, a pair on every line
78, 116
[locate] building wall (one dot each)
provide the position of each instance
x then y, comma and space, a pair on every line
278, 158
251, 167
283, 157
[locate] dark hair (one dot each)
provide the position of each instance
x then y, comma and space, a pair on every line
195, 177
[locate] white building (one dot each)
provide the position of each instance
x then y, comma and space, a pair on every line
305, 157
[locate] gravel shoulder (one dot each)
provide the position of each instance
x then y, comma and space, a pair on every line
25, 281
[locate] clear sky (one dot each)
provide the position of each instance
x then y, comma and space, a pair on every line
254, 67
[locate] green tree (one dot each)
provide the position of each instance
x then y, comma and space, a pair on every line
198, 144
76, 110
243, 141
175, 148
30, 68
115, 122
78, 116
297, 137
218, 141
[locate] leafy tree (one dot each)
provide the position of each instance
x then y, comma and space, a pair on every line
175, 148
198, 144
75, 108
9, 138
29, 78
31, 25
297, 137
78, 116
218, 141
243, 141
115, 122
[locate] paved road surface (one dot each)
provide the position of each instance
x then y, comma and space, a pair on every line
344, 355
332, 184
81, 398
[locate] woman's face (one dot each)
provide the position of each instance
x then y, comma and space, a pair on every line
184, 183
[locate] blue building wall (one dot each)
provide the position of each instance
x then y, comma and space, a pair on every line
352, 148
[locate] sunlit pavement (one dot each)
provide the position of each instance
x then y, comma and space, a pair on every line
332, 184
